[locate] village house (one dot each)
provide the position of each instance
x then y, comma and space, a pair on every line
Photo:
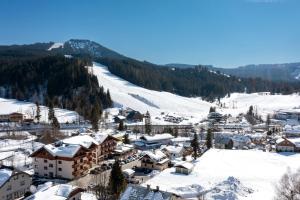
285, 114
134, 116
184, 167
153, 142
72, 157
173, 152
13, 183
106, 146
134, 192
288, 145
155, 160
123, 151
12, 117
57, 192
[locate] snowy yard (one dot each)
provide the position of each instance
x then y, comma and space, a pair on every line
229, 174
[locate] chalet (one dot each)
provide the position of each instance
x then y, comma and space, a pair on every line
13, 183
288, 145
173, 152
184, 167
64, 160
134, 192
288, 114
153, 142
12, 117
58, 192
119, 118
107, 145
123, 151
155, 160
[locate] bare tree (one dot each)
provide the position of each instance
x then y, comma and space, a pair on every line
288, 187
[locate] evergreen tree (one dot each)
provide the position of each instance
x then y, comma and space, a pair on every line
117, 181
195, 146
55, 123
38, 111
51, 113
209, 139
95, 116
147, 123
121, 126
268, 120
126, 139
212, 109
250, 111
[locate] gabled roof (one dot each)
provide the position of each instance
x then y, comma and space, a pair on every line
294, 141
136, 192
5, 175
56, 192
83, 140
101, 137
186, 165
174, 149
157, 155
64, 150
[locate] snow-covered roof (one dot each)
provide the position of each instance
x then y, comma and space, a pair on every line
157, 137
128, 172
174, 149
156, 155
185, 164
124, 148
136, 192
56, 192
295, 141
100, 137
181, 139
5, 174
83, 140
63, 150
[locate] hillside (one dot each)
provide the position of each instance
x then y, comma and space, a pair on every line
53, 80
273, 72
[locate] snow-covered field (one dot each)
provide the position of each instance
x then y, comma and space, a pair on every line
125, 94
224, 173
29, 109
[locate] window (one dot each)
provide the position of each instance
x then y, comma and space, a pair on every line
45, 161
16, 177
59, 169
59, 162
45, 168
45, 174
8, 187
9, 196
50, 165
35, 166
81, 160
16, 195
22, 183
36, 173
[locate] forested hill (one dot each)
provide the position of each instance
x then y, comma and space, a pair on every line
30, 73
197, 81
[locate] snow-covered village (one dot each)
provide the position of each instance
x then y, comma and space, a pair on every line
150, 100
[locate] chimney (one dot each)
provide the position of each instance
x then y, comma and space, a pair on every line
157, 188
148, 187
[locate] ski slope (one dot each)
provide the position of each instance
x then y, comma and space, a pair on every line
126, 94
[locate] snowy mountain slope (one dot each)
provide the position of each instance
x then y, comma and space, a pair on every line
125, 94
29, 109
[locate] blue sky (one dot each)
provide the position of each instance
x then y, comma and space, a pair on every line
224, 33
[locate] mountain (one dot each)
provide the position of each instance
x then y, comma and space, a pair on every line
198, 81
274, 72
85, 47
37, 74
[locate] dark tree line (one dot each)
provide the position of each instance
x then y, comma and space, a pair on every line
53, 80
198, 81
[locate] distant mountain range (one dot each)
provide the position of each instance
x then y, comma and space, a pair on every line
186, 80
273, 72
